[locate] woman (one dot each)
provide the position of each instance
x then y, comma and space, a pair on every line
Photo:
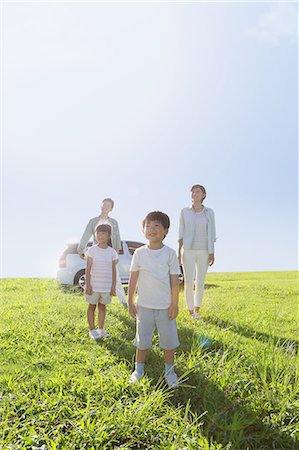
197, 234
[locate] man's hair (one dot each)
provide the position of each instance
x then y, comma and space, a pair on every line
159, 217
104, 227
109, 200
202, 188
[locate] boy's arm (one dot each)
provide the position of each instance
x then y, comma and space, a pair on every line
88, 289
173, 309
113, 286
131, 291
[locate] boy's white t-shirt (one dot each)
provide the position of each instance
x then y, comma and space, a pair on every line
154, 267
101, 269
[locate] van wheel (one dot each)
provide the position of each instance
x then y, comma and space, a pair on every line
79, 279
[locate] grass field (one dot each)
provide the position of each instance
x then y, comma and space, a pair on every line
238, 368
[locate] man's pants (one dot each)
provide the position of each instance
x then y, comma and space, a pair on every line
120, 292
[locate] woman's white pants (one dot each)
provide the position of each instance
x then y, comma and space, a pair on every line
195, 266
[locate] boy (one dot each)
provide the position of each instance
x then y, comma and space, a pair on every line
100, 279
156, 269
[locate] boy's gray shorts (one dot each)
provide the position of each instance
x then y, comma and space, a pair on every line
150, 319
99, 297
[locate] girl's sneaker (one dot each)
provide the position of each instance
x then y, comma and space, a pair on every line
172, 379
135, 377
94, 334
102, 333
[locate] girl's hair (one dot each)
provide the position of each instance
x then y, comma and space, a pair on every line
202, 188
104, 227
159, 217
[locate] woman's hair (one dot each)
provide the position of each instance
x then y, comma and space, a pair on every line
159, 217
104, 227
202, 188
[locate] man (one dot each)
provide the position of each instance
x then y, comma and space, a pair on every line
103, 218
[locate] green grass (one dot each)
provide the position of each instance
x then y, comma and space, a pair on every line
239, 371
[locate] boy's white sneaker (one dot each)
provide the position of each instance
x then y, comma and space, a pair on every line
102, 333
94, 334
172, 379
135, 377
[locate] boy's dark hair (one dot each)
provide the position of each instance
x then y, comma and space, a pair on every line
108, 200
159, 217
104, 227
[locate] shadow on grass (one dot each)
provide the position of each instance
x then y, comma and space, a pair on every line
67, 289
287, 344
207, 286
211, 286
229, 421
225, 420
123, 346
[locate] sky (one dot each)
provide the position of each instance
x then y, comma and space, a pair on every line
139, 101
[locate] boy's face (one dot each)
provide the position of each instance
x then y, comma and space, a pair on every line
102, 237
154, 231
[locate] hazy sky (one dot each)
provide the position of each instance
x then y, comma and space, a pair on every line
138, 102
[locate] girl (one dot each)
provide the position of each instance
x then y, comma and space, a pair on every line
100, 279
